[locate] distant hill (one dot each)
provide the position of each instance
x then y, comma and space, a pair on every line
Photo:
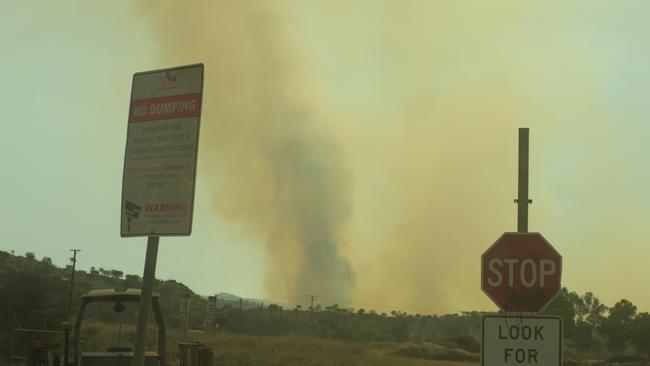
35, 294
224, 298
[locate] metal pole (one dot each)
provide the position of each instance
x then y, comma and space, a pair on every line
240, 316
522, 196
66, 346
145, 300
186, 316
74, 263
13, 330
66, 330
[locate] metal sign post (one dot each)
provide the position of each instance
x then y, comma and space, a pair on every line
145, 300
522, 194
521, 272
160, 168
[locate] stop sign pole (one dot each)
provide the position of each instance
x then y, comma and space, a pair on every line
522, 194
521, 272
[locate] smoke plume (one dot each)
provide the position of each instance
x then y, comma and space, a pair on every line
275, 170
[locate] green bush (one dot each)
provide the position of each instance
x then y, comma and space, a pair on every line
467, 343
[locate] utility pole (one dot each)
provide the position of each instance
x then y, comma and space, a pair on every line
311, 309
67, 325
74, 263
522, 200
184, 315
240, 299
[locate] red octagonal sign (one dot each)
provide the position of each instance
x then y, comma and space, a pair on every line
521, 272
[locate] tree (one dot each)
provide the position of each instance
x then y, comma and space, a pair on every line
333, 308
589, 317
617, 327
47, 261
132, 281
591, 310
30, 256
641, 334
565, 305
583, 338
116, 273
399, 326
296, 311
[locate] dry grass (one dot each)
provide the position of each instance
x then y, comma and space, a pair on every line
233, 350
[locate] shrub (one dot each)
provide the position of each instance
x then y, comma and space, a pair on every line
467, 343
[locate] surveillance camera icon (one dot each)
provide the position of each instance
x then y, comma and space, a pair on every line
132, 212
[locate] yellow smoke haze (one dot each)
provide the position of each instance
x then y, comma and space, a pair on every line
377, 164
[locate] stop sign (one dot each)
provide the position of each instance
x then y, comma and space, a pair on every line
521, 272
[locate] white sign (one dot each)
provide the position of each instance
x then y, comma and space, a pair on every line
521, 341
161, 150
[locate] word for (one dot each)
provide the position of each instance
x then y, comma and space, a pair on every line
520, 355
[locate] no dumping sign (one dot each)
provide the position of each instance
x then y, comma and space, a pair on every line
161, 152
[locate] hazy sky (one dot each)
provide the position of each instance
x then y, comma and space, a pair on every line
413, 107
